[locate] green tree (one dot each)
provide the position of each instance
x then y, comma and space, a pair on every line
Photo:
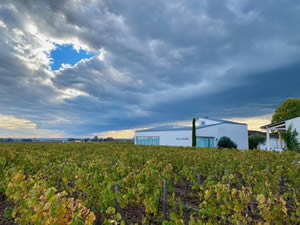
194, 133
287, 110
290, 139
226, 142
96, 139
255, 140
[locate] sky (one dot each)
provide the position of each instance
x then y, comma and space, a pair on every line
67, 55
79, 68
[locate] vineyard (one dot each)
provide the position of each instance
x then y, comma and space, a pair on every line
119, 183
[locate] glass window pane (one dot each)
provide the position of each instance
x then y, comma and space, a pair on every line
205, 142
147, 140
211, 142
202, 142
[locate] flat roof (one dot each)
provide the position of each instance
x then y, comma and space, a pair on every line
223, 121
166, 128
277, 124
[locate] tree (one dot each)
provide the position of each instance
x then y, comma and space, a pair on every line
194, 133
290, 139
96, 139
287, 110
226, 142
255, 140
109, 139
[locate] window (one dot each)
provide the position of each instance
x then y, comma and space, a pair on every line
202, 123
207, 142
147, 140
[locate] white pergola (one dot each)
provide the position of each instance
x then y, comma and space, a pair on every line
279, 126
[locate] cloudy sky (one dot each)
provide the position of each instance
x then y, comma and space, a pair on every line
76, 68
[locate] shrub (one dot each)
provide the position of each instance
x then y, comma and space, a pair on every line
255, 140
290, 139
226, 142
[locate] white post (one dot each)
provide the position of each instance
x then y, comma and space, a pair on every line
280, 140
268, 139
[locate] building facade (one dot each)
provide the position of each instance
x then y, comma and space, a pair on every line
281, 127
274, 141
208, 133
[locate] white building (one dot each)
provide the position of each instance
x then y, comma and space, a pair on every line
282, 126
208, 134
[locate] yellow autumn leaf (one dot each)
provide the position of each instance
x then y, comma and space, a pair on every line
114, 222
49, 220
90, 219
282, 201
13, 214
207, 195
260, 198
70, 205
284, 210
233, 191
34, 218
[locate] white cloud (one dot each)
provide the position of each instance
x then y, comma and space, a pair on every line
2, 24
11, 126
13, 123
116, 134
71, 93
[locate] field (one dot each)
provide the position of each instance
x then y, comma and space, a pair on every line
119, 183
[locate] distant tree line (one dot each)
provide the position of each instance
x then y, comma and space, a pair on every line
6, 140
94, 139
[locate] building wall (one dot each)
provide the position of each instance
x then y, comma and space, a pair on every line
170, 138
207, 121
295, 124
236, 132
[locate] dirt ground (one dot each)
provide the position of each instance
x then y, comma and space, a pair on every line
3, 205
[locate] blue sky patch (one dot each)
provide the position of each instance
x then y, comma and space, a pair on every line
66, 54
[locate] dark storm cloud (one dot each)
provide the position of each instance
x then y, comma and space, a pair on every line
159, 61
